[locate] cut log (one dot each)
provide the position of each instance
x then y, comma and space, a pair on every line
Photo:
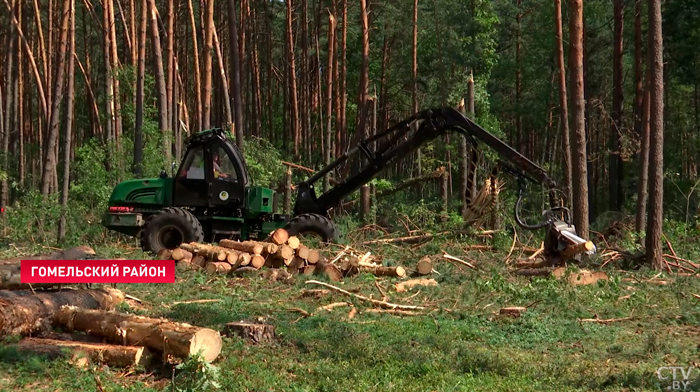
257, 261
314, 256
407, 285
303, 252
278, 237
98, 353
397, 271
251, 247
199, 260
330, 270
424, 266
293, 242
11, 279
164, 254
257, 333
575, 249
173, 339
24, 312
179, 254
296, 264
220, 267
244, 258
310, 269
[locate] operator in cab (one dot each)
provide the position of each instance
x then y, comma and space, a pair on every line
222, 170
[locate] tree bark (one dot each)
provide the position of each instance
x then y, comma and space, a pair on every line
414, 90
24, 312
140, 75
97, 353
656, 144
160, 82
197, 74
578, 107
69, 126
563, 104
639, 87
161, 335
50, 153
616, 172
114, 57
170, 58
329, 97
208, 60
362, 102
296, 132
235, 64
643, 181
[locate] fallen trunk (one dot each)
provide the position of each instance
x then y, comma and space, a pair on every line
11, 279
169, 337
397, 271
24, 312
98, 353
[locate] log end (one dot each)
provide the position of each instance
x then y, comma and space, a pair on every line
206, 342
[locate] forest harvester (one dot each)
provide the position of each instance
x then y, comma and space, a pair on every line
212, 196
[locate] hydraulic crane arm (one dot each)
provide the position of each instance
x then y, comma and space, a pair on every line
408, 136
401, 140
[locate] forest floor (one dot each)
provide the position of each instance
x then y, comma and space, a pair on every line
463, 344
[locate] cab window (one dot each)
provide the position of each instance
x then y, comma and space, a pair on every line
193, 166
222, 165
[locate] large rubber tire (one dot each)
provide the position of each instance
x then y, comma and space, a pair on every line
168, 228
319, 225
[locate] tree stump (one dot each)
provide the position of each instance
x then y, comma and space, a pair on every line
257, 333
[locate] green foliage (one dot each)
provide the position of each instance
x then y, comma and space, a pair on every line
264, 161
196, 375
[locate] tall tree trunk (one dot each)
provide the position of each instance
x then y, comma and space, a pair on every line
140, 74
114, 56
52, 134
616, 175
329, 96
235, 64
639, 94
295, 128
578, 119
362, 102
656, 144
160, 83
343, 81
170, 56
473, 153
414, 91
518, 81
208, 60
224, 79
563, 103
643, 181
69, 126
197, 74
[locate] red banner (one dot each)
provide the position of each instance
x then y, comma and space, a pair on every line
98, 271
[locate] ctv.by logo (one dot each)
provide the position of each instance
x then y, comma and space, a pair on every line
678, 377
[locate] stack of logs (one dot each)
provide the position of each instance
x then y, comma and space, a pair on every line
278, 250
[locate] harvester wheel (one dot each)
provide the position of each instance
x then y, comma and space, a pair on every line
168, 228
312, 224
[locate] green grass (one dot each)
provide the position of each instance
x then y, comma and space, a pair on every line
463, 345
